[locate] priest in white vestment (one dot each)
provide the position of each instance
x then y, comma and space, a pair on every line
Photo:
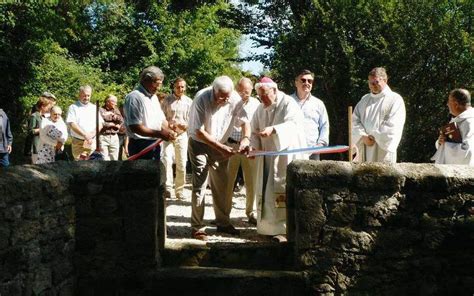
449, 152
277, 125
378, 120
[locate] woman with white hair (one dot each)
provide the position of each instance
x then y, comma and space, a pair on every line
53, 134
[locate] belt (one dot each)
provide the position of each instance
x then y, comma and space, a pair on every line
232, 141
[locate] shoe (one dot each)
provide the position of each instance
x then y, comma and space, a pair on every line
281, 238
199, 235
252, 220
238, 187
229, 229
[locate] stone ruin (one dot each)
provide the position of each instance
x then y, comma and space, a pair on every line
98, 228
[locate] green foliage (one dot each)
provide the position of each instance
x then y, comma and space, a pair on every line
59, 45
427, 48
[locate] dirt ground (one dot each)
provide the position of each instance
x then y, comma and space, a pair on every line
178, 218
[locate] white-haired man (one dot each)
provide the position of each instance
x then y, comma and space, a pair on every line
250, 104
378, 120
278, 124
215, 110
81, 119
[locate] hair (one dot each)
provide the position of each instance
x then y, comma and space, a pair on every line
151, 73
111, 96
245, 80
49, 96
42, 101
461, 95
378, 72
223, 83
83, 88
305, 72
178, 79
56, 109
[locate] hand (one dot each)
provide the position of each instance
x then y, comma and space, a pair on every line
167, 134
225, 150
441, 139
247, 152
244, 145
9, 149
368, 140
266, 132
58, 146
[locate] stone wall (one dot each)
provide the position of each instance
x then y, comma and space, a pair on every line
64, 225
379, 229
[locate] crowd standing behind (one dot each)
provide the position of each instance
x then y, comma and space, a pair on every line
53, 135
113, 121
6, 139
221, 128
81, 120
176, 107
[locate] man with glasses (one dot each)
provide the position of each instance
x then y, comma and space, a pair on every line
144, 119
378, 120
316, 121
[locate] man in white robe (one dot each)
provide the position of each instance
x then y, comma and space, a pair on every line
448, 152
277, 124
378, 120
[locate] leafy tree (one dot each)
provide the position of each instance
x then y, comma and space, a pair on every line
426, 46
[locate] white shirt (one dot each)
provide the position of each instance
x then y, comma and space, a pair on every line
141, 107
217, 120
177, 110
458, 153
84, 116
250, 106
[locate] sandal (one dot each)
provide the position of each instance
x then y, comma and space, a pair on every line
200, 235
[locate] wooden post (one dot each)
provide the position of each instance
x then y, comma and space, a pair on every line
349, 125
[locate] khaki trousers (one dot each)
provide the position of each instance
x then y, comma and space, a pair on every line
248, 169
77, 147
110, 146
206, 161
178, 148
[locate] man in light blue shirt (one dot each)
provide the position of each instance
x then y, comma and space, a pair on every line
316, 121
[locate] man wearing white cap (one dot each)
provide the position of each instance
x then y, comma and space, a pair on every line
278, 124
215, 110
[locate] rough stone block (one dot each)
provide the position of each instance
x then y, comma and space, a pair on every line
377, 177
14, 213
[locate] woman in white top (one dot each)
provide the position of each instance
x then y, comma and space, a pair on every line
53, 134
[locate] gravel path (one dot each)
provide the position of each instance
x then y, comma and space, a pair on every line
178, 217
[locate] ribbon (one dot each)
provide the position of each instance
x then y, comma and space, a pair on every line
312, 150
146, 150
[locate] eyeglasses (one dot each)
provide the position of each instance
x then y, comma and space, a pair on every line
303, 80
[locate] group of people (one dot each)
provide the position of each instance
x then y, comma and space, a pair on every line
220, 130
